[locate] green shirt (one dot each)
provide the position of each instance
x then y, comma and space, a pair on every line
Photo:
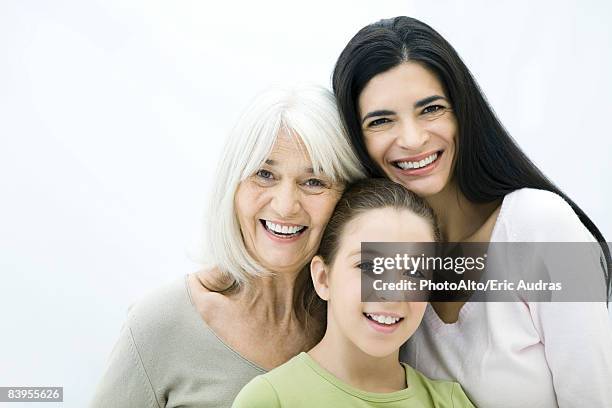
301, 382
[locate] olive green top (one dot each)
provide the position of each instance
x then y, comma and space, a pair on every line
302, 383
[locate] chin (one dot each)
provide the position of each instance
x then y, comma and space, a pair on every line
274, 255
280, 262
380, 350
426, 188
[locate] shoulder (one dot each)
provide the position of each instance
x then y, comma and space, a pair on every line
257, 393
535, 202
417, 379
444, 393
284, 376
158, 305
539, 215
160, 316
132, 376
286, 384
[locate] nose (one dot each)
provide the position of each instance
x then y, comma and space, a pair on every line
285, 200
412, 136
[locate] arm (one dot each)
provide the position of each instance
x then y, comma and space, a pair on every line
258, 393
577, 341
577, 336
125, 383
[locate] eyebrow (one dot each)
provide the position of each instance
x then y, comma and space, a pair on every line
377, 113
418, 104
271, 162
422, 102
366, 252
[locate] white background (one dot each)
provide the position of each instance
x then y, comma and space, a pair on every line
112, 115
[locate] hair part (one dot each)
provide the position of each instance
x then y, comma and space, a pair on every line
488, 162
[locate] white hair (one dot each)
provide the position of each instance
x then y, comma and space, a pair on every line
306, 111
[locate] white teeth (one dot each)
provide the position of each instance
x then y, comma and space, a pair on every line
284, 229
383, 319
417, 164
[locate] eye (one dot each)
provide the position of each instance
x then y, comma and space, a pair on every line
378, 122
366, 267
415, 274
433, 109
264, 174
313, 182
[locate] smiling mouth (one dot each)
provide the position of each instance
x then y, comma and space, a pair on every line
418, 164
283, 231
383, 320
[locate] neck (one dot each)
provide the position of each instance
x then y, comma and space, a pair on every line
459, 218
338, 355
273, 298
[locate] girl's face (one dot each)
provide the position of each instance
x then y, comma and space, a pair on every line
284, 207
409, 127
340, 284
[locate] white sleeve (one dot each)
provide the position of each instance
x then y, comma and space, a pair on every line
577, 336
577, 342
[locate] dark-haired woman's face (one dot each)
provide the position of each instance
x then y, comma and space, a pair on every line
409, 127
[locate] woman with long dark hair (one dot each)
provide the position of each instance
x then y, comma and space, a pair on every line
415, 114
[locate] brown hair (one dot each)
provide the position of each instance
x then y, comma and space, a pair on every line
359, 197
365, 195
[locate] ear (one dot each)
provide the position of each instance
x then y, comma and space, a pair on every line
319, 272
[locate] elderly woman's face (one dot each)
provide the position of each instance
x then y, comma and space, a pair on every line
284, 207
409, 127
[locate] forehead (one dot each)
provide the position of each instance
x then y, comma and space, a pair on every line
407, 82
386, 225
288, 148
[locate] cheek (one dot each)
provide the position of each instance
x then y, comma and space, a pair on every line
444, 128
352, 285
376, 148
240, 200
347, 299
417, 310
247, 200
346, 280
320, 207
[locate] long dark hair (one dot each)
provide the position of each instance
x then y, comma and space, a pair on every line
489, 164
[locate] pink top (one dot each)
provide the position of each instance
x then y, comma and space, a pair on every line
521, 354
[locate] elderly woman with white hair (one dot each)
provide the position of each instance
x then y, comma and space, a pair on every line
198, 341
